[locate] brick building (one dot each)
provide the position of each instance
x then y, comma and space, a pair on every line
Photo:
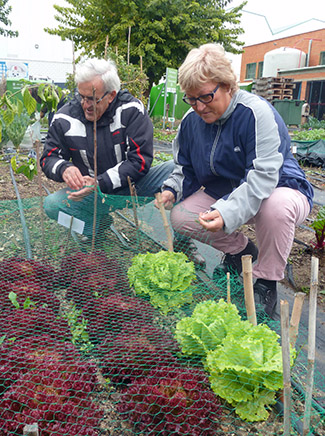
309, 78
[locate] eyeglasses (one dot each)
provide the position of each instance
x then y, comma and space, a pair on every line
205, 98
82, 98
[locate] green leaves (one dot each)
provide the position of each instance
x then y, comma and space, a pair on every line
319, 226
162, 32
165, 277
244, 361
309, 135
29, 168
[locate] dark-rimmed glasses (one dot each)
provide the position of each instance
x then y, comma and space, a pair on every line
82, 98
205, 98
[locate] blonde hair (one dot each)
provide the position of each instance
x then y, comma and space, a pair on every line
208, 63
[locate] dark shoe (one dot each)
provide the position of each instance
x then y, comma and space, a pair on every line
188, 247
265, 297
232, 262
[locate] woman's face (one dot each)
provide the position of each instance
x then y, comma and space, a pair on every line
210, 112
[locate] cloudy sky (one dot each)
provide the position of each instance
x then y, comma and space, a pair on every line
262, 20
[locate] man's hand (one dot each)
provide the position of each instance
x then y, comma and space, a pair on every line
211, 220
167, 199
73, 177
88, 187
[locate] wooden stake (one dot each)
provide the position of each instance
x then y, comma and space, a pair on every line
39, 179
311, 343
248, 288
95, 171
295, 317
284, 312
165, 222
134, 207
228, 288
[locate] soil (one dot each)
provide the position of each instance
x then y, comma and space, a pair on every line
299, 262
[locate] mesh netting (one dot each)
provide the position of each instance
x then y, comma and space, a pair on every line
99, 338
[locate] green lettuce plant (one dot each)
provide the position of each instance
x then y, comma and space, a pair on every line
165, 277
244, 361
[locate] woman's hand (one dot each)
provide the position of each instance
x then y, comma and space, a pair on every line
211, 220
167, 199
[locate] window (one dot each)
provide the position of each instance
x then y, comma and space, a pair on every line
322, 58
251, 71
260, 69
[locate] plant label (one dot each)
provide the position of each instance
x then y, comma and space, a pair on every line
71, 222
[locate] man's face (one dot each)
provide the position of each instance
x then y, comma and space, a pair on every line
102, 98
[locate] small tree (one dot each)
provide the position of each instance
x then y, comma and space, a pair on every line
4, 12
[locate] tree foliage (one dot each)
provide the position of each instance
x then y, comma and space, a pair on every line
4, 13
161, 32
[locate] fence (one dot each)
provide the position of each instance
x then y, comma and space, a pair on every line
93, 341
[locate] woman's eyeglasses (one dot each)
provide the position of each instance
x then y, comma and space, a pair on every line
205, 98
82, 98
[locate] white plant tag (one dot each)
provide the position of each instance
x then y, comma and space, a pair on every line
66, 220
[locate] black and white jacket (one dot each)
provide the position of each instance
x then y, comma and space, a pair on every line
124, 143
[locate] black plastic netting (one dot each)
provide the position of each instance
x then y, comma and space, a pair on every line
118, 336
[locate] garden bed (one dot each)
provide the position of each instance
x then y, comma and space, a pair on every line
106, 398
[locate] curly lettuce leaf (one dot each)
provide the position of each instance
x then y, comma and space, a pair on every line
209, 324
165, 277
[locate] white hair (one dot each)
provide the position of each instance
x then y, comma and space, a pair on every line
105, 69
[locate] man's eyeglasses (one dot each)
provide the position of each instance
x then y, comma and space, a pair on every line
82, 98
205, 98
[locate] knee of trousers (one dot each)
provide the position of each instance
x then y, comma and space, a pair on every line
51, 207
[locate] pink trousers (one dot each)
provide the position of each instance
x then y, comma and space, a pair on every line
274, 223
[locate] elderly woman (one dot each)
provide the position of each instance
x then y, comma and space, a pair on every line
234, 166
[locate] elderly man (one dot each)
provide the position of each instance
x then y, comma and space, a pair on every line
124, 135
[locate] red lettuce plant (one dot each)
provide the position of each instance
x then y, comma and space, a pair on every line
135, 351
58, 401
85, 288
34, 322
16, 268
80, 264
172, 401
110, 314
26, 288
18, 357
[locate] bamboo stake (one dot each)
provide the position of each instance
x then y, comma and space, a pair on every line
248, 288
228, 288
95, 171
284, 312
165, 222
39, 171
132, 192
295, 317
31, 430
311, 343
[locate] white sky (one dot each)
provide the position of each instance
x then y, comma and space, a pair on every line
29, 17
